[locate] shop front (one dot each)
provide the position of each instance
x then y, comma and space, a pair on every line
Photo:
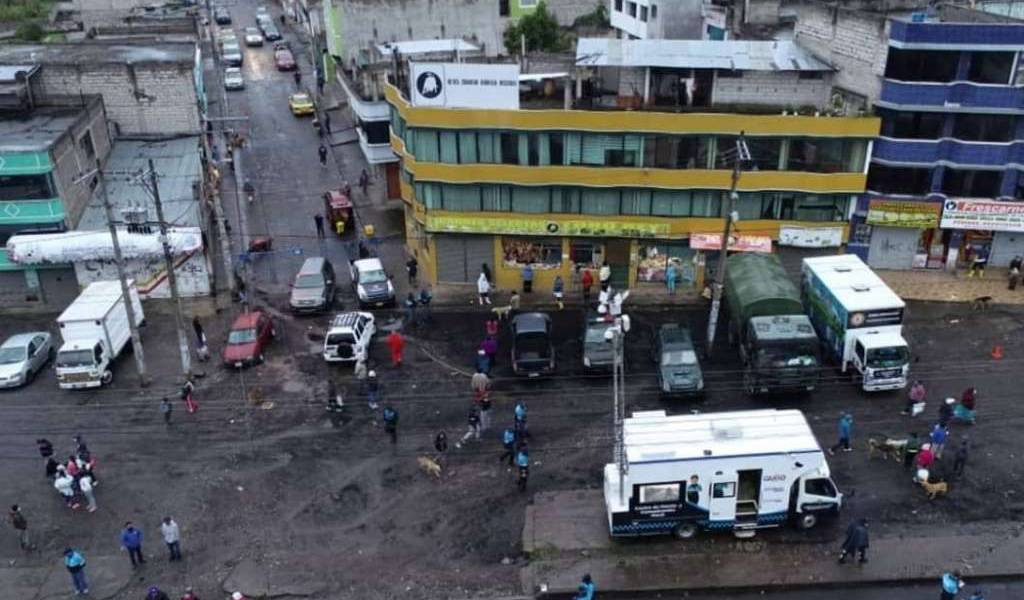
990, 226
905, 234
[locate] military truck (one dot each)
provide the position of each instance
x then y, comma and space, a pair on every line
777, 342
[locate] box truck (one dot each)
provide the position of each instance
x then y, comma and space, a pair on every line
738, 471
95, 331
859, 319
777, 343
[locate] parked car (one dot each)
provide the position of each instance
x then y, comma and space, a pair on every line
349, 336
226, 34
231, 53
371, 282
301, 104
532, 351
221, 16
253, 37
313, 289
678, 366
283, 58
23, 356
248, 339
270, 31
598, 354
233, 79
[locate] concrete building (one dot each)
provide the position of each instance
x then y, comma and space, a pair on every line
148, 88
651, 19
43, 154
569, 179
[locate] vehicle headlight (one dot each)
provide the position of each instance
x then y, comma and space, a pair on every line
361, 292
586, 361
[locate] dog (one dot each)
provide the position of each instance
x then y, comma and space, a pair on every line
429, 466
502, 312
887, 448
939, 488
981, 302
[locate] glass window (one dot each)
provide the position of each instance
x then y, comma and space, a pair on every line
971, 183
26, 187
631, 9
922, 65
671, 204
461, 197
899, 180
764, 153
449, 142
705, 203
822, 155
912, 125
425, 145
509, 148
618, 5
583, 253
467, 147
991, 67
643, 13
661, 492
532, 149
758, 205
983, 128
556, 148
820, 487
636, 202
813, 207
725, 489
429, 194
487, 145
521, 251
530, 200
600, 202
565, 200
620, 158
496, 198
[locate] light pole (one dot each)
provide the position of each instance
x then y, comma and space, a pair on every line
615, 335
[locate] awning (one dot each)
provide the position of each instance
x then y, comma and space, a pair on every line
737, 243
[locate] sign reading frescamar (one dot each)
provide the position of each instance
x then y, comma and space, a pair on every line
986, 215
464, 85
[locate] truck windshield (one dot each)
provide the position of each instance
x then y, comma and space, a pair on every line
373, 277
75, 358
9, 356
788, 355
896, 356
679, 358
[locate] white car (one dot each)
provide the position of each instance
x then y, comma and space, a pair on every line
349, 336
22, 356
253, 37
233, 79
232, 54
371, 282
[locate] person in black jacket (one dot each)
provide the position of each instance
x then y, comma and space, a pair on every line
856, 541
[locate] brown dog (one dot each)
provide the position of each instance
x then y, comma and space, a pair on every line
429, 466
940, 488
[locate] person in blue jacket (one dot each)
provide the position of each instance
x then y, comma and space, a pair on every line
131, 540
74, 562
523, 462
528, 279
586, 588
845, 429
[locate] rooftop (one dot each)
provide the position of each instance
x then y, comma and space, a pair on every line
83, 53
411, 47
741, 55
36, 131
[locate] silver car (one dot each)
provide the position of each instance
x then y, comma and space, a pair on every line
22, 356
233, 79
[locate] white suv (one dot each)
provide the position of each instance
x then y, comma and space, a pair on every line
349, 336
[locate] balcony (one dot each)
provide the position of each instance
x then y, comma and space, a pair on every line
375, 153
31, 212
947, 152
933, 35
956, 96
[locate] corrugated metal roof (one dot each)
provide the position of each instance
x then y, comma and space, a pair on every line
426, 46
697, 54
178, 169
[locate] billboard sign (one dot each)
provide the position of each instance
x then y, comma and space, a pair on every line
986, 215
464, 85
902, 213
737, 243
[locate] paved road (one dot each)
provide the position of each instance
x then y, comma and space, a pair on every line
992, 591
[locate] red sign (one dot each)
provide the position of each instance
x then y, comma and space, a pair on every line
737, 243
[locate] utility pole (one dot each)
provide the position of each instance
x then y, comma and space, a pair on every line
140, 360
172, 278
616, 334
742, 155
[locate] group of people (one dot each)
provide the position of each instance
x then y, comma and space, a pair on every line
75, 479
923, 454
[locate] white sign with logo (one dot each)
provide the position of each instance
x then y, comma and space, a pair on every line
464, 85
988, 215
810, 237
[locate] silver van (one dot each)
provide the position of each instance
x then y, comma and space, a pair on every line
314, 288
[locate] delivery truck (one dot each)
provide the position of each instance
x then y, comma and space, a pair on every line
739, 471
777, 343
859, 320
95, 331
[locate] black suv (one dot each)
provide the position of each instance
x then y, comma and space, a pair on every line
533, 354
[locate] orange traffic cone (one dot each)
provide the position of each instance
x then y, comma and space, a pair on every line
997, 352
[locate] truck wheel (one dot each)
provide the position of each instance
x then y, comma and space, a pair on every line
685, 531
107, 377
807, 520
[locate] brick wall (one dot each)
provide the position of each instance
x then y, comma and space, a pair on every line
772, 89
71, 158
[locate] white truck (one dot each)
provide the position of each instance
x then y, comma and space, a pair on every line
95, 331
738, 471
858, 318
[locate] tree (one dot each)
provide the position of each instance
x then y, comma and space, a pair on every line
541, 31
29, 32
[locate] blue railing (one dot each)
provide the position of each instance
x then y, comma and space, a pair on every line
929, 152
953, 34
958, 93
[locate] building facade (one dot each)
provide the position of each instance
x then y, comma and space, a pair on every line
561, 189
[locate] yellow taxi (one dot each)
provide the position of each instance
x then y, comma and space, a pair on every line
301, 104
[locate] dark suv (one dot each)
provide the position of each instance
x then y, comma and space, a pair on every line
533, 354
678, 366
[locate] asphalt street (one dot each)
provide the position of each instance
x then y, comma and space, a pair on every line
991, 591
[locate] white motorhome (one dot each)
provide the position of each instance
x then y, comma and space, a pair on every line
858, 318
95, 331
737, 471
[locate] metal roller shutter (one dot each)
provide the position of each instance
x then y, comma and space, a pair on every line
459, 257
1005, 245
893, 247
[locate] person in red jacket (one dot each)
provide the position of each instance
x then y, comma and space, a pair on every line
586, 282
397, 344
926, 457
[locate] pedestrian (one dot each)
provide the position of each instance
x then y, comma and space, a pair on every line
586, 282
202, 348
528, 279
513, 303
372, 389
297, 76
74, 562
969, 398
320, 84
491, 326
45, 447
318, 221
605, 275
916, 395
1013, 278
926, 457
86, 485
856, 541
490, 348
473, 426
558, 290
20, 525
508, 442
364, 181
156, 593
845, 429
486, 270
322, 153
485, 412
410, 309
604, 297
483, 363
396, 343
946, 411
519, 419
412, 267
327, 122
189, 594
938, 439
165, 410
979, 261
131, 540
483, 289
480, 384
391, 423
670, 277
359, 370
951, 584
187, 395
425, 298
441, 443
911, 450
523, 462
172, 537
960, 460
64, 484
586, 588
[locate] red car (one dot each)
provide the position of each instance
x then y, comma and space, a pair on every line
284, 60
249, 336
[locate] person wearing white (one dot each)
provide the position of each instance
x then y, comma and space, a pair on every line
85, 484
483, 287
63, 483
172, 537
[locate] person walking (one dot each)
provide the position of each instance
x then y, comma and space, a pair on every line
187, 395
845, 429
969, 398
202, 348
960, 459
396, 343
946, 411
586, 283
490, 347
327, 122
523, 462
938, 439
441, 443
519, 419
318, 221
364, 181
155, 593
410, 309
189, 594
473, 427
508, 442
165, 410
910, 450
979, 262
528, 279
359, 371
558, 291
322, 153
412, 267
951, 585
391, 423
86, 483
925, 458
605, 275
20, 525
372, 390
513, 303
856, 541
45, 447
64, 484
131, 540
74, 562
171, 533
320, 81
670, 278
916, 395
586, 589
480, 384
483, 289
484, 405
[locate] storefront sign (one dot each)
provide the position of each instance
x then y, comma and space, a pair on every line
810, 237
895, 213
465, 85
987, 215
570, 227
737, 243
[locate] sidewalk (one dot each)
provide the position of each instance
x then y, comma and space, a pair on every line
107, 576
956, 286
565, 541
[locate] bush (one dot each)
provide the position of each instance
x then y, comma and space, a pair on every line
14, 11
30, 32
595, 18
541, 31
